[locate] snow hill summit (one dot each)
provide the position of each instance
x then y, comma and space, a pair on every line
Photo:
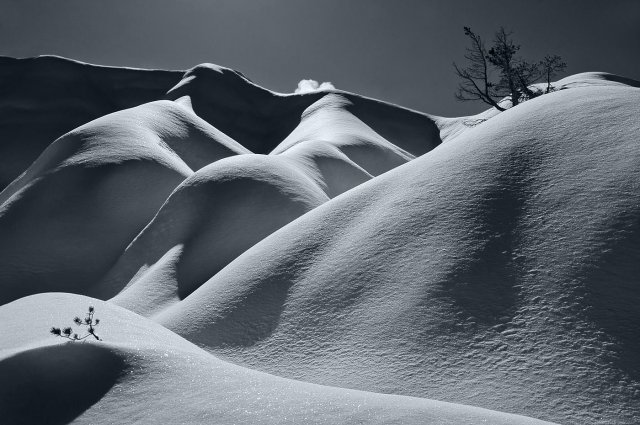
320, 257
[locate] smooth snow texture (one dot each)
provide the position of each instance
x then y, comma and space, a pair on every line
329, 238
70, 215
329, 121
214, 216
106, 180
143, 372
499, 270
452, 127
229, 206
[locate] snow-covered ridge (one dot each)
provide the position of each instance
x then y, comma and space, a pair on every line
109, 177
324, 237
60, 94
45, 97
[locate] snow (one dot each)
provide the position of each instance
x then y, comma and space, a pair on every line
102, 181
48, 96
320, 257
505, 259
213, 216
327, 120
144, 372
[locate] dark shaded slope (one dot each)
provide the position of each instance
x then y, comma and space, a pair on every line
56, 384
260, 119
211, 218
67, 219
42, 98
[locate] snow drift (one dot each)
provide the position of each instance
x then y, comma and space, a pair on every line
106, 179
143, 372
341, 244
216, 214
508, 255
100, 182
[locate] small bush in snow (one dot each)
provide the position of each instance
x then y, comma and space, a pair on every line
88, 321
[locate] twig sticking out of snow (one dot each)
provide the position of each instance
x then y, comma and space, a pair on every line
88, 321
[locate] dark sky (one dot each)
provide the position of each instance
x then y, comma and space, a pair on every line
397, 50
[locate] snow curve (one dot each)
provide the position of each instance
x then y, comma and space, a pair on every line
130, 371
69, 216
505, 258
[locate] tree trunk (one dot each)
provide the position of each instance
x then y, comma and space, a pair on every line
515, 95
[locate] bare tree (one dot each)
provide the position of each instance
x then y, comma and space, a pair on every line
551, 66
516, 75
526, 74
503, 56
475, 83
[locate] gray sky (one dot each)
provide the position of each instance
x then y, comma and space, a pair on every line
396, 50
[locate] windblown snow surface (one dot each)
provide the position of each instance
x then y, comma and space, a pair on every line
322, 257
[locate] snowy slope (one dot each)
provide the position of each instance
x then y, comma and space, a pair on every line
325, 237
106, 180
144, 373
499, 270
261, 119
70, 215
227, 207
42, 98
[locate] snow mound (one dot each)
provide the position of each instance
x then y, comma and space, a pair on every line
585, 79
327, 165
106, 180
260, 119
450, 128
211, 218
499, 270
488, 261
56, 384
71, 214
328, 120
125, 379
256, 117
46, 97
